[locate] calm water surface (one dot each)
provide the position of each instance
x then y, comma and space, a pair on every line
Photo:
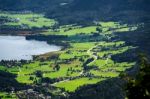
17, 48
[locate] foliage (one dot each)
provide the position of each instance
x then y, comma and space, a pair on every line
139, 87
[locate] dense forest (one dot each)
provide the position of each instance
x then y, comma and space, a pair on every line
81, 11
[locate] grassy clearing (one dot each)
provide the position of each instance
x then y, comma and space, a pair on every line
109, 24
27, 21
74, 30
77, 50
106, 27
74, 84
105, 74
4, 95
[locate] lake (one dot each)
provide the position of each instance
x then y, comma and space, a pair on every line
17, 48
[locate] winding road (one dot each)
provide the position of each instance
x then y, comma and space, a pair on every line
91, 54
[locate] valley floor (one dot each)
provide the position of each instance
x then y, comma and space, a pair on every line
87, 59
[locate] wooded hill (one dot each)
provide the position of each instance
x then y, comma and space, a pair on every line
84, 11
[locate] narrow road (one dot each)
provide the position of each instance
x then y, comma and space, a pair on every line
60, 82
19, 71
91, 54
109, 56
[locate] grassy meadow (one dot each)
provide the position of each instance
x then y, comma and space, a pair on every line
26, 20
71, 60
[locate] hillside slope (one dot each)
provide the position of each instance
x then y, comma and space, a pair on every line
84, 11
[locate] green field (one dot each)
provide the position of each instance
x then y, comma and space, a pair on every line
74, 84
4, 95
26, 20
72, 59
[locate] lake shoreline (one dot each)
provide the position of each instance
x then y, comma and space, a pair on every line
31, 34
23, 48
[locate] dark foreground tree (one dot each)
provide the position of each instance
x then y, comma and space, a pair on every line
139, 87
